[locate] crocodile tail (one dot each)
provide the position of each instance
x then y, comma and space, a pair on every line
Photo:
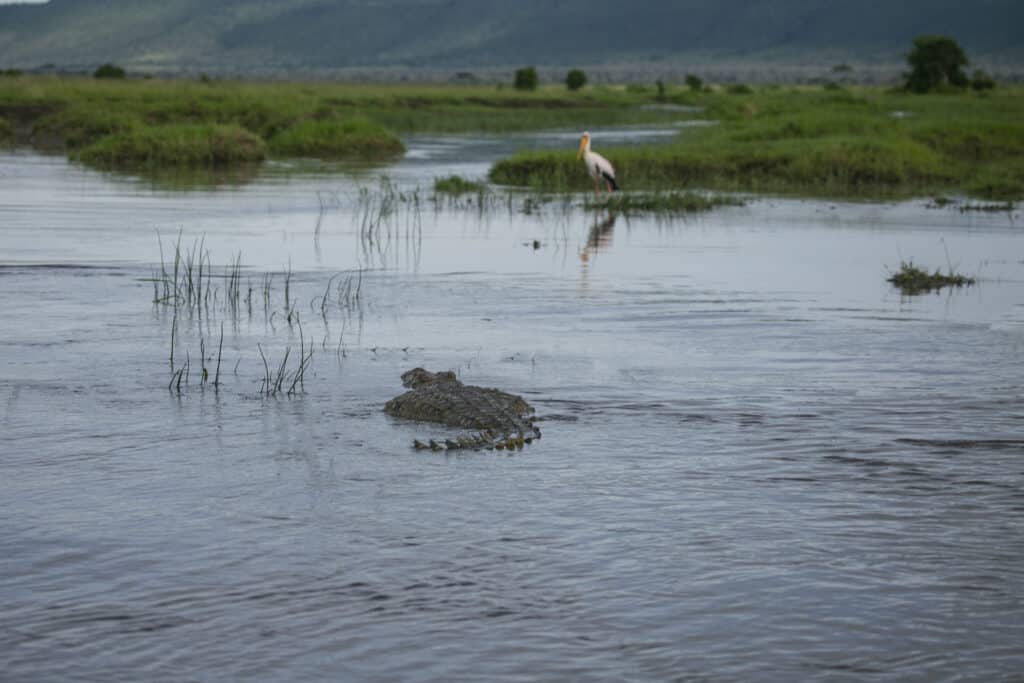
486, 439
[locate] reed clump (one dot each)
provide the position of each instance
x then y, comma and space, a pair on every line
913, 280
200, 295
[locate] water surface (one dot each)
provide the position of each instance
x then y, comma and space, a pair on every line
759, 460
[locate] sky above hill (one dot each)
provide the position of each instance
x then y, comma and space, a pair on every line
292, 35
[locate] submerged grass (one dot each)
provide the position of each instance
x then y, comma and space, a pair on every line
456, 185
913, 280
662, 202
866, 142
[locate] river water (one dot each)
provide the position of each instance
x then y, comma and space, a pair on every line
759, 462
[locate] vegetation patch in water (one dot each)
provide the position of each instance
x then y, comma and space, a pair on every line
913, 280
662, 202
456, 185
6, 131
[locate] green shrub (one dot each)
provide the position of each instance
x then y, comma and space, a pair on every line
575, 79
740, 89
935, 61
526, 78
981, 80
109, 71
694, 83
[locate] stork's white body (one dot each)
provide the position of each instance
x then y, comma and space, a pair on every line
600, 169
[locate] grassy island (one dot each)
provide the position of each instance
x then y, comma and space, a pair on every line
817, 142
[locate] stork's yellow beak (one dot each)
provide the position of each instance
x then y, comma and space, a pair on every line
583, 144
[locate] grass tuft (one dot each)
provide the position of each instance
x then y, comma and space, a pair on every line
913, 280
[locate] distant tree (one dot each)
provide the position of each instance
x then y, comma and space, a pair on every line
526, 78
109, 71
694, 83
575, 79
936, 61
661, 89
981, 80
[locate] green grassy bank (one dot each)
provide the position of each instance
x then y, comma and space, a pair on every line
125, 123
800, 140
819, 142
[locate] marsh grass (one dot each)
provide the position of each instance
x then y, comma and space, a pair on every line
325, 120
282, 378
200, 295
354, 138
913, 280
662, 202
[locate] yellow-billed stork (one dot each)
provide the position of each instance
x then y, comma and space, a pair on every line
598, 167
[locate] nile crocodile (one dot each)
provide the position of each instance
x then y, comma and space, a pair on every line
497, 419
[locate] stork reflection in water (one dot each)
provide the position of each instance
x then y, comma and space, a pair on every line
600, 236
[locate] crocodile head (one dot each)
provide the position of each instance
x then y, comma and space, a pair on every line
418, 377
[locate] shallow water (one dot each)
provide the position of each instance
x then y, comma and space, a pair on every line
759, 460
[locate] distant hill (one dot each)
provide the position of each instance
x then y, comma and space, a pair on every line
295, 35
